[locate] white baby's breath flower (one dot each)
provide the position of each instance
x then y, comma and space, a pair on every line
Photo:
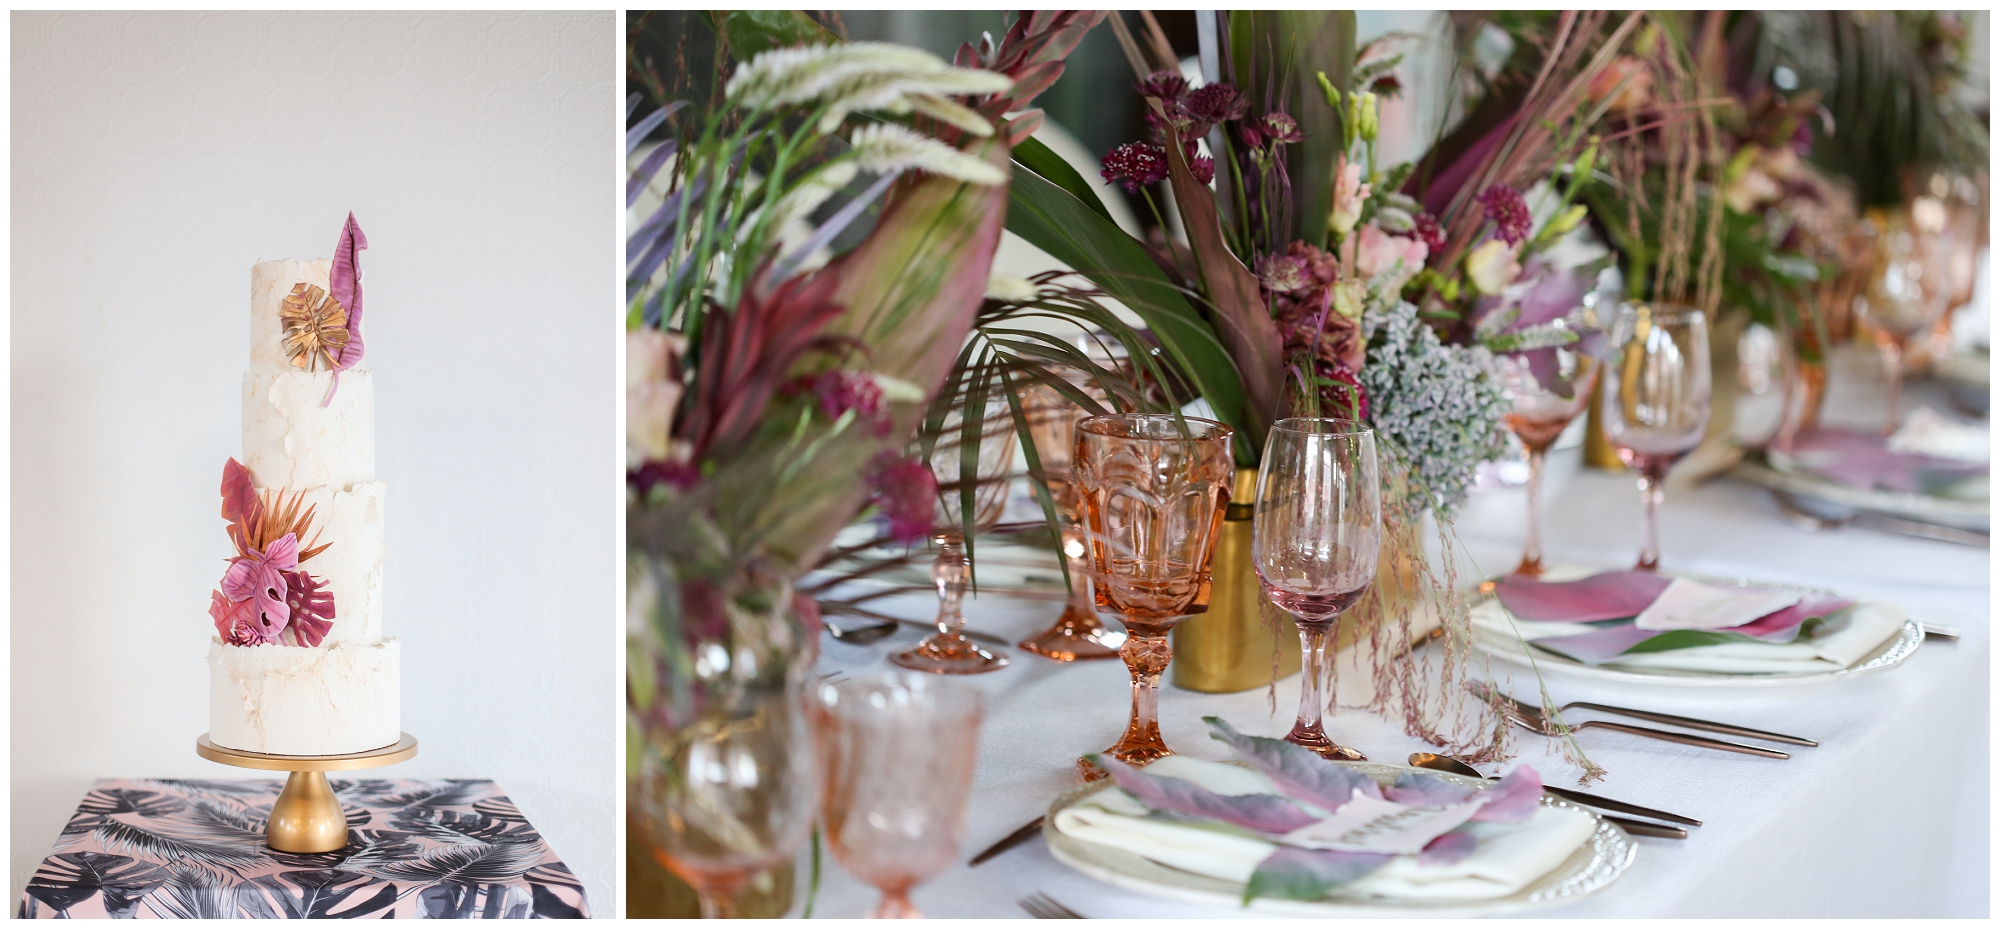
885, 148
1007, 288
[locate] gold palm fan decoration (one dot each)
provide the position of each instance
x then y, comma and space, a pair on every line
315, 327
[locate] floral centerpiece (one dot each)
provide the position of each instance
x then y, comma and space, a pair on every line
1316, 281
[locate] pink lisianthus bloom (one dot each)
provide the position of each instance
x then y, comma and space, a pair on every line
1377, 253
1348, 194
652, 394
258, 578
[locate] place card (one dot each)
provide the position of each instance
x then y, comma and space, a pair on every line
1368, 824
1687, 604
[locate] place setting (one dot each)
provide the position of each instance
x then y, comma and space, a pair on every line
974, 593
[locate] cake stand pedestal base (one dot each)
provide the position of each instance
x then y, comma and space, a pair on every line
306, 818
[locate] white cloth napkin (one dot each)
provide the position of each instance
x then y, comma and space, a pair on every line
1509, 857
1847, 637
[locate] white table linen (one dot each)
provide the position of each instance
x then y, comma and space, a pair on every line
1887, 817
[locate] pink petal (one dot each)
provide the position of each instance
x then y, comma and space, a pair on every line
1448, 849
1611, 595
240, 582
1512, 800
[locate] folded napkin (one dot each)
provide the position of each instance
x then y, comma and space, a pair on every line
1682, 626
1507, 857
1869, 462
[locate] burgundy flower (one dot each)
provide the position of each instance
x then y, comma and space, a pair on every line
1283, 274
905, 490
1251, 131
841, 391
1164, 85
1216, 103
1388, 85
680, 475
1508, 210
1281, 127
1203, 168
1136, 165
1429, 231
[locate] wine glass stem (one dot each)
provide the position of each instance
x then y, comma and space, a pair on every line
896, 905
716, 905
1892, 369
1652, 492
1146, 653
1531, 545
951, 575
1080, 600
1312, 647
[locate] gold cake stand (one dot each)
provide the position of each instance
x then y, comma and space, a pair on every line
306, 816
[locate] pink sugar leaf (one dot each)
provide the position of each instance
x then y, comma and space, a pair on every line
311, 606
1295, 771
345, 285
1426, 790
1308, 874
1600, 646
1611, 595
1512, 800
1448, 849
1264, 813
283, 554
239, 493
232, 618
1783, 625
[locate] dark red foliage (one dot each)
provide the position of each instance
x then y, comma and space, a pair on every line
748, 354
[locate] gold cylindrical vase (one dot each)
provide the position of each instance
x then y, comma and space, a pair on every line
1229, 648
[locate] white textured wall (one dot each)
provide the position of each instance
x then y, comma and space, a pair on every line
155, 157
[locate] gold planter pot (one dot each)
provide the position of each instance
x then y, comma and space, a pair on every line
1228, 649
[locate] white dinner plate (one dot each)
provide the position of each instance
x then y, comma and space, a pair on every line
1834, 496
1704, 687
1594, 864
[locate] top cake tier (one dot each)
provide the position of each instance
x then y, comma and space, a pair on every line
270, 283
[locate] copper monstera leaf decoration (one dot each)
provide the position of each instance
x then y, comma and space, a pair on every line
315, 327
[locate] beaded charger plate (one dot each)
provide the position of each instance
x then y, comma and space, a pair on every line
1594, 865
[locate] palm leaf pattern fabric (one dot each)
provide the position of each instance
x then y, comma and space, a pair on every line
194, 849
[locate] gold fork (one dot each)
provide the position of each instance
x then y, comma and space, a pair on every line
1531, 719
1042, 906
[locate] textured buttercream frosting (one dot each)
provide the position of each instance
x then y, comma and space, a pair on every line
290, 440
343, 695
286, 700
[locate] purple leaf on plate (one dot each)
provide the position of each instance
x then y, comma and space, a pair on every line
1426, 790
1512, 800
1307, 874
1611, 595
1448, 849
1594, 648
1295, 771
1265, 813
345, 286
1783, 626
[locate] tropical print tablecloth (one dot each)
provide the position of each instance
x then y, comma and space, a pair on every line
437, 849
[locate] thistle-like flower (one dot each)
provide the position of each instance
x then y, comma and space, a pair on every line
1163, 85
884, 148
1136, 165
1508, 210
1216, 103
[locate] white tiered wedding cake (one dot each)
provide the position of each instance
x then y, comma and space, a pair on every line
293, 671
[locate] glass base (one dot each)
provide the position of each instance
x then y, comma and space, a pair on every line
1077, 636
1138, 756
948, 653
1529, 567
1316, 741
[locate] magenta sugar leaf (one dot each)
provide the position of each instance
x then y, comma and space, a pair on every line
1295, 771
345, 286
233, 619
1426, 790
1308, 874
1611, 595
1512, 800
1264, 813
1448, 849
311, 604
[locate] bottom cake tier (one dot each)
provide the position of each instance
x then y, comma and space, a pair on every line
287, 700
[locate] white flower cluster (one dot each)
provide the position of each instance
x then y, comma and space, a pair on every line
1438, 405
860, 77
887, 148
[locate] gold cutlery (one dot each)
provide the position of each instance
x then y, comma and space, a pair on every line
1042, 906
1531, 719
1455, 766
1014, 838
1690, 723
